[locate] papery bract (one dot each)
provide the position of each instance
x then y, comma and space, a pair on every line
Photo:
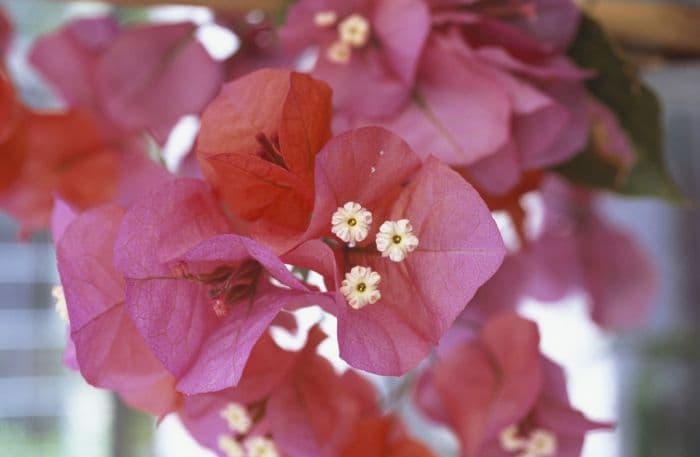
200, 296
500, 377
259, 151
110, 352
130, 79
459, 247
302, 405
382, 60
504, 382
57, 153
578, 250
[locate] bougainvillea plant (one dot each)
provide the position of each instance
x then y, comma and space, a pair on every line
378, 170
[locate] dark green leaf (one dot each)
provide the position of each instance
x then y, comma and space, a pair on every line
618, 86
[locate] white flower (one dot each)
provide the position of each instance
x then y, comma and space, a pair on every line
510, 441
539, 443
259, 446
542, 443
339, 52
351, 223
395, 239
325, 18
360, 287
230, 447
237, 417
354, 30
61, 307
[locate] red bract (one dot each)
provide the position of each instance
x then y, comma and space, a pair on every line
422, 287
383, 437
503, 382
200, 296
10, 115
56, 154
257, 146
5, 33
298, 404
131, 79
110, 352
366, 47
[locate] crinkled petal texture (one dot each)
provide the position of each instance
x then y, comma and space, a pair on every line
459, 246
257, 146
499, 380
109, 350
168, 242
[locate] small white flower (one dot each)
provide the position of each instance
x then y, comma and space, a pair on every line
237, 417
351, 223
230, 447
259, 446
510, 441
325, 18
542, 443
61, 306
395, 239
360, 287
354, 30
339, 52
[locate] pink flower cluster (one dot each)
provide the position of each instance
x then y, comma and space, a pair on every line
378, 171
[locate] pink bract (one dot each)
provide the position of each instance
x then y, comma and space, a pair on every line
200, 296
505, 381
460, 247
385, 66
109, 351
131, 79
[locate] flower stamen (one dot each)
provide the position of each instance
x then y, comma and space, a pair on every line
230, 447
360, 287
396, 240
354, 30
259, 446
237, 418
351, 223
339, 52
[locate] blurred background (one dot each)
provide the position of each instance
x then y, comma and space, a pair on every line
647, 380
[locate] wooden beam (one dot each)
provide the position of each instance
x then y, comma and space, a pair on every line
220, 5
669, 29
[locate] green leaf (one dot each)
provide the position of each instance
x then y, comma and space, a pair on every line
617, 85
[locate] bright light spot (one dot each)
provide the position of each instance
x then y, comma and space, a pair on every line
196, 14
219, 41
571, 339
180, 142
507, 229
